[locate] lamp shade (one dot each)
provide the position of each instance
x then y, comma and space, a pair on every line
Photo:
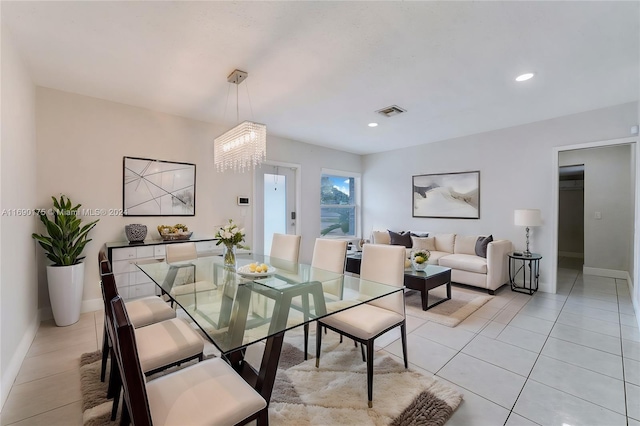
527, 217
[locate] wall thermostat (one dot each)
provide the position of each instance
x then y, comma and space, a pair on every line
243, 201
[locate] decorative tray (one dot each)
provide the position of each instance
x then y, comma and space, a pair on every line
246, 272
177, 236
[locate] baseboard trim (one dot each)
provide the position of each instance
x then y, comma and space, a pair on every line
601, 272
571, 254
18, 357
89, 305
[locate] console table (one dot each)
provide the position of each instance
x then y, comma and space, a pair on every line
123, 255
526, 263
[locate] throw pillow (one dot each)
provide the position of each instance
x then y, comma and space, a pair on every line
427, 243
401, 239
425, 235
481, 245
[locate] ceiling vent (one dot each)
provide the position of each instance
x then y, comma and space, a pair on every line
391, 111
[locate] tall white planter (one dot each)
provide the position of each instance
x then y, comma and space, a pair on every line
65, 292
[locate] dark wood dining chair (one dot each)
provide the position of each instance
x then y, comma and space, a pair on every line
144, 311
162, 345
207, 393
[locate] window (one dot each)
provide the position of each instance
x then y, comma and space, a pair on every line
339, 197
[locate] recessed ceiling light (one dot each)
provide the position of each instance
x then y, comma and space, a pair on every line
373, 124
525, 77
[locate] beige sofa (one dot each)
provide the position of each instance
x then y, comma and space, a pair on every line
458, 253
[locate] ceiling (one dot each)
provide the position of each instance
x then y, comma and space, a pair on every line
318, 71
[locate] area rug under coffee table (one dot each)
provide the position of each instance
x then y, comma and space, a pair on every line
452, 312
334, 394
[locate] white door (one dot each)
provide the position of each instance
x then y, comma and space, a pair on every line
275, 203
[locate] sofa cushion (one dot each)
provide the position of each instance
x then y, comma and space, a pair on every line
380, 237
444, 242
464, 262
435, 256
427, 243
481, 245
400, 239
465, 245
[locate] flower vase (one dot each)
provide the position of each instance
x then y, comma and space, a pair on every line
229, 256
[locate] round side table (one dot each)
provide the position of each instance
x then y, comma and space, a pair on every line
529, 265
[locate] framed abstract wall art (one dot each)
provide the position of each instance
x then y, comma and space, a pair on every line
447, 195
158, 188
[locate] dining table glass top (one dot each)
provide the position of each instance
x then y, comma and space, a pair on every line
237, 307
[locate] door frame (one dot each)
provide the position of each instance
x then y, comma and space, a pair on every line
298, 192
633, 142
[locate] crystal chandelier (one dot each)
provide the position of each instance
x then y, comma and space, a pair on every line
244, 146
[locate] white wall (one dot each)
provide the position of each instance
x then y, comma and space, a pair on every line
515, 172
18, 289
81, 142
607, 189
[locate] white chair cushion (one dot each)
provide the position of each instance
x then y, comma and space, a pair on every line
363, 321
465, 262
465, 245
207, 393
167, 342
192, 288
149, 310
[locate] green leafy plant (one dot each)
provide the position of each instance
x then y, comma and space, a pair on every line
65, 238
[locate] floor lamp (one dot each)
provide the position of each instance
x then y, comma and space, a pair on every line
527, 217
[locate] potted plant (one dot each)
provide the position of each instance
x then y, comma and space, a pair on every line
64, 242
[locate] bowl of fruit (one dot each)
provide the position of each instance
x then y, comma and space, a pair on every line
419, 259
175, 232
256, 270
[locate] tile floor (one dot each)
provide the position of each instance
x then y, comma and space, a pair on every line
571, 358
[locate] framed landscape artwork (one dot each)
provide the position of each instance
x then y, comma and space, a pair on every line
447, 195
158, 188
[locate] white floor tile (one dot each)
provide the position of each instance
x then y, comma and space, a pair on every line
475, 410
582, 356
629, 320
424, 353
522, 338
537, 325
596, 313
631, 349
493, 329
505, 316
509, 357
632, 371
626, 307
587, 338
540, 312
582, 383
633, 422
607, 305
491, 382
452, 337
547, 406
487, 312
588, 323
630, 333
633, 401
517, 420
577, 293
473, 323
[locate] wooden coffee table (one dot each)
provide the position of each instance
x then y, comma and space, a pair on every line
423, 281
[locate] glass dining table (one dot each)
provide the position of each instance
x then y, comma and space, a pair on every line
236, 308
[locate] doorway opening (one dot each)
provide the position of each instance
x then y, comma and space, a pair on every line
571, 217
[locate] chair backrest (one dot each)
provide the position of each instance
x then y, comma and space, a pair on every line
133, 382
384, 264
329, 255
109, 291
285, 247
104, 267
178, 252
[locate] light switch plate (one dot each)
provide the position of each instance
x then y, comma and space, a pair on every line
598, 215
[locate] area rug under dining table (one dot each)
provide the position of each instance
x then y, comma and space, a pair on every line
334, 394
